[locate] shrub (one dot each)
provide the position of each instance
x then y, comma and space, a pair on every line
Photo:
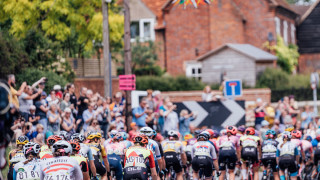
180, 83
31, 75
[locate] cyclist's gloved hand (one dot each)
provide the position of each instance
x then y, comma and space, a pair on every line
108, 173
165, 171
95, 178
161, 174
218, 173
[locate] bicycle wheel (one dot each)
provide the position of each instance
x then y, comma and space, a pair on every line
250, 176
270, 176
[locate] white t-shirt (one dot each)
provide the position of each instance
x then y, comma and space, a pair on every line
171, 122
24, 103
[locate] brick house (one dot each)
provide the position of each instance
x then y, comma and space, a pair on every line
308, 35
184, 34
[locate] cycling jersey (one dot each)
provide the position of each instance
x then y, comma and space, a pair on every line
226, 143
288, 148
269, 151
227, 152
153, 146
28, 171
82, 161
85, 151
60, 168
249, 144
45, 152
249, 141
15, 156
203, 148
172, 154
287, 153
97, 151
115, 152
135, 161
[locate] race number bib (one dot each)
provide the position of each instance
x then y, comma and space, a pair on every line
56, 176
30, 175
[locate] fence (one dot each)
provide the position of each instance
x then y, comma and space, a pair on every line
89, 67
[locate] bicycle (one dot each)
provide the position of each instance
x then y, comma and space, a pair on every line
171, 173
269, 175
113, 173
318, 171
249, 164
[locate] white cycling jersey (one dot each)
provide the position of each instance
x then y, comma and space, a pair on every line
28, 171
60, 168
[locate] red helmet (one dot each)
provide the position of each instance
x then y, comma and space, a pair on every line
250, 131
318, 138
75, 145
232, 130
210, 131
53, 139
296, 133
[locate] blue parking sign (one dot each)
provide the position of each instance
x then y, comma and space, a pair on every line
233, 88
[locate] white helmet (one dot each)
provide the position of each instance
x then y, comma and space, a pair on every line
62, 145
31, 147
63, 135
146, 131
173, 133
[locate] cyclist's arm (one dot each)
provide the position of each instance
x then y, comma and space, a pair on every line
77, 173
214, 157
277, 155
183, 154
296, 153
14, 174
152, 165
84, 169
104, 157
302, 153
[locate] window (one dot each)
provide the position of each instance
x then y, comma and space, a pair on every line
142, 29
293, 34
194, 70
285, 32
277, 22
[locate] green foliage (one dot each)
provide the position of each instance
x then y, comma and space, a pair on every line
144, 54
180, 83
287, 55
296, 1
277, 79
13, 58
31, 75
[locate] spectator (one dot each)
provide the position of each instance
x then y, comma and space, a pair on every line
264, 128
38, 134
54, 119
158, 102
94, 126
270, 114
52, 99
171, 119
41, 111
207, 94
134, 131
13, 99
260, 113
26, 101
65, 102
306, 117
68, 123
18, 127
162, 111
117, 106
150, 101
57, 90
139, 113
106, 116
33, 118
119, 122
88, 116
82, 103
73, 98
29, 130
151, 118
184, 121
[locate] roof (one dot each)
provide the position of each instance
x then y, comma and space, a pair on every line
308, 12
283, 4
245, 49
300, 9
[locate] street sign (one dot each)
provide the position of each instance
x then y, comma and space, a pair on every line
217, 113
233, 88
127, 82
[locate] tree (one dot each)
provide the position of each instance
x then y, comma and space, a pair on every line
299, 1
144, 54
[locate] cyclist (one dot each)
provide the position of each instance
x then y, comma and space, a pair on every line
136, 158
46, 151
174, 153
97, 151
115, 153
250, 145
189, 142
86, 152
203, 156
316, 154
64, 135
229, 152
295, 138
29, 169
287, 156
60, 166
17, 155
213, 140
125, 140
81, 160
269, 150
161, 173
153, 146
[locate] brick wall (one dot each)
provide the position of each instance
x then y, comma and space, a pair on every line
95, 84
307, 62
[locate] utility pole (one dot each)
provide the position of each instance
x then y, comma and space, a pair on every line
127, 57
106, 51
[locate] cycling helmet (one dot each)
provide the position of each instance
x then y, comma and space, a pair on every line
318, 138
272, 132
241, 128
93, 134
31, 147
215, 134
250, 131
309, 138
223, 132
154, 133
197, 132
210, 131
53, 139
141, 138
78, 136
289, 128
173, 133
124, 135
188, 136
63, 135
22, 140
232, 130
147, 131
63, 146
296, 133
75, 145
286, 134
113, 133
204, 135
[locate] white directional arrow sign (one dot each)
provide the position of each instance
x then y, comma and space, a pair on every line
237, 112
195, 107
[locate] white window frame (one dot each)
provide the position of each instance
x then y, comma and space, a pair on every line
293, 33
285, 32
141, 31
278, 29
195, 66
